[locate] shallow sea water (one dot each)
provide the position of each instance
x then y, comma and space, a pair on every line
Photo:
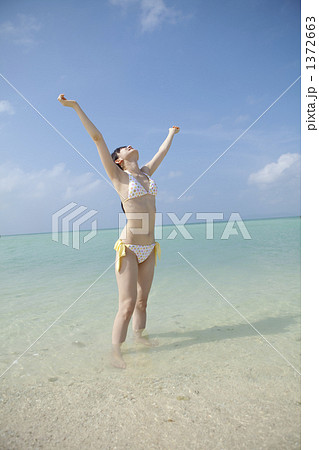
226, 314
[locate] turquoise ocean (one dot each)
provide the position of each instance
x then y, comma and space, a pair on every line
210, 300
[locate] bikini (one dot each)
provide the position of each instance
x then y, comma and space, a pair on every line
142, 252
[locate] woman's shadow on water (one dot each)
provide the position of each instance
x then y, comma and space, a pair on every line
267, 326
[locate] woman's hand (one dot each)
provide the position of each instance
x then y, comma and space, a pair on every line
66, 102
174, 130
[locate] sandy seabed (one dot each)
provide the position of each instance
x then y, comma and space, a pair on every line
234, 395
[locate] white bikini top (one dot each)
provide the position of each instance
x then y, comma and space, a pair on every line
135, 189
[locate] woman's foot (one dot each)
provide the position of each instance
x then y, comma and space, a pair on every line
139, 339
146, 341
116, 358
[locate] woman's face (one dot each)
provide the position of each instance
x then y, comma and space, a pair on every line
129, 153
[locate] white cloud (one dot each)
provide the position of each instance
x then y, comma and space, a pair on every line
122, 3
286, 165
30, 197
22, 31
167, 197
39, 184
6, 107
153, 12
174, 173
242, 118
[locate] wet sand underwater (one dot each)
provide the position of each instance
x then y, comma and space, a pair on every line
226, 389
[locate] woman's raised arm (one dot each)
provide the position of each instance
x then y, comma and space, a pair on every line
159, 156
111, 169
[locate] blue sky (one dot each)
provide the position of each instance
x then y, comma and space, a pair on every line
136, 67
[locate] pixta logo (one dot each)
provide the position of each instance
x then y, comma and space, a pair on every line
63, 224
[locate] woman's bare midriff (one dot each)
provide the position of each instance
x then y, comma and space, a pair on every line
139, 230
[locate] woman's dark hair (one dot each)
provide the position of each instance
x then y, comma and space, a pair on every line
115, 155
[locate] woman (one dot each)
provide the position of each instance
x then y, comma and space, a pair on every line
136, 249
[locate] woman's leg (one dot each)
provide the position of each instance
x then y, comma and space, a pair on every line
127, 286
144, 283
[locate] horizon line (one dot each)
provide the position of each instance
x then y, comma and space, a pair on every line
163, 225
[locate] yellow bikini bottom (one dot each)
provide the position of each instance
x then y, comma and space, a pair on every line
142, 252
